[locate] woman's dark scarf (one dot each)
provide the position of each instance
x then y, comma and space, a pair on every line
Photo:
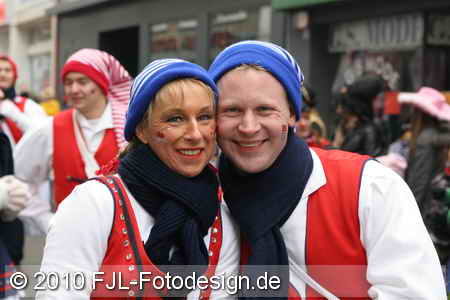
261, 203
183, 208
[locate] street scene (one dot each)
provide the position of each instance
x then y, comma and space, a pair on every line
225, 149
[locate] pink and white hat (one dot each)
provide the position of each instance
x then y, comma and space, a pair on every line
428, 100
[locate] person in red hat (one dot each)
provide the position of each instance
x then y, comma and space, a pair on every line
72, 145
18, 114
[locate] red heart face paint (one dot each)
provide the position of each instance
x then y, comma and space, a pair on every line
160, 135
284, 128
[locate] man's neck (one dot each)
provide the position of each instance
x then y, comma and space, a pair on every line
94, 112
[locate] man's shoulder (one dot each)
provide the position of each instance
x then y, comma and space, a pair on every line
339, 156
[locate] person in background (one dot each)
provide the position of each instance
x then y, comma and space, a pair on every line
49, 103
358, 131
18, 114
311, 126
14, 196
428, 157
71, 146
331, 223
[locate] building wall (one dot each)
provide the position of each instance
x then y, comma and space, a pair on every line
31, 44
82, 28
4, 26
310, 45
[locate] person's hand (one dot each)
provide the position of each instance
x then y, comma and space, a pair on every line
9, 109
14, 195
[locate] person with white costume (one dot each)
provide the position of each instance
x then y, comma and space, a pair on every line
344, 225
158, 208
72, 145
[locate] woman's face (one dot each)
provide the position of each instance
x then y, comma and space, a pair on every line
181, 127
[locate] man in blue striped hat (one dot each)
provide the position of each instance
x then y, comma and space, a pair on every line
352, 222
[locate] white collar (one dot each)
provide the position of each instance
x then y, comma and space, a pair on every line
317, 178
104, 123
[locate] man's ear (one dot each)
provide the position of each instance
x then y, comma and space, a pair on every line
140, 133
291, 121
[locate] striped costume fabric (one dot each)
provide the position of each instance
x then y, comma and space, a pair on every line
119, 84
271, 57
276, 49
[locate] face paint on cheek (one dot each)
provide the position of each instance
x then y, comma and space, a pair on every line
212, 132
284, 132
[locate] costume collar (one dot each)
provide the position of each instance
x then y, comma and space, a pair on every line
317, 178
104, 123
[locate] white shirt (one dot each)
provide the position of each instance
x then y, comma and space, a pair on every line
402, 261
78, 238
33, 159
33, 114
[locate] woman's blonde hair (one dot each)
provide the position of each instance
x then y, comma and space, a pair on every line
172, 90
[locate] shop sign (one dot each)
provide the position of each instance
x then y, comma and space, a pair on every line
401, 32
439, 30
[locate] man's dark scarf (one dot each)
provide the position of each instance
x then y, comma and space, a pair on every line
183, 208
261, 203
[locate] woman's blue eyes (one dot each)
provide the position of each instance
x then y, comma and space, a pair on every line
178, 119
174, 119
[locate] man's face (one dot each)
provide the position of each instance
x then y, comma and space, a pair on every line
6, 74
253, 119
82, 93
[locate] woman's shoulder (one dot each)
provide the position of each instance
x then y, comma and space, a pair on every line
92, 193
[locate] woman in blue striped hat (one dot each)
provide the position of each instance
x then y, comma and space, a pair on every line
160, 212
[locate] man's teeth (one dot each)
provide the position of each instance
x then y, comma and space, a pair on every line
250, 145
190, 152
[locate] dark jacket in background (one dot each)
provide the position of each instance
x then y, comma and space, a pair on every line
427, 161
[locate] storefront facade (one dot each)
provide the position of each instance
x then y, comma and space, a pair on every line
138, 31
407, 42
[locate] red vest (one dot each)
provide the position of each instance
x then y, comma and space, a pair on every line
15, 131
126, 254
334, 254
68, 164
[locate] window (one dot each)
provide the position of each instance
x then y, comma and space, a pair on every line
174, 40
228, 28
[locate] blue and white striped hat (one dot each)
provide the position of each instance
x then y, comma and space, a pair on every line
271, 57
154, 76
